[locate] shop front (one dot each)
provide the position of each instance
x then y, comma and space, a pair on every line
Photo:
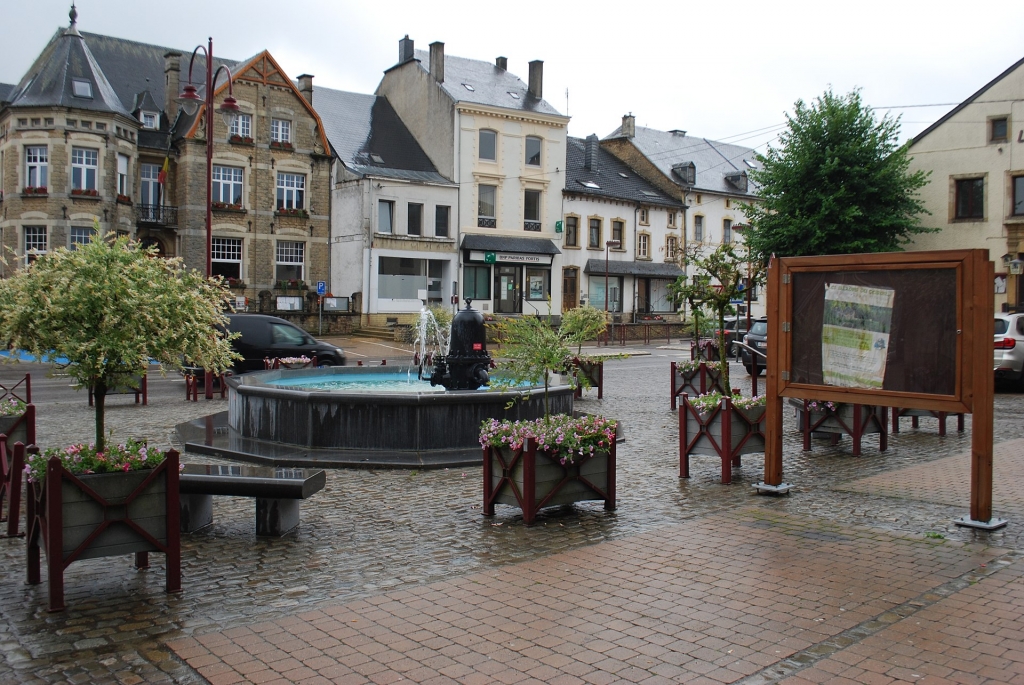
504, 275
634, 288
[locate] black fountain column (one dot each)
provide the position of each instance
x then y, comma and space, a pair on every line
466, 364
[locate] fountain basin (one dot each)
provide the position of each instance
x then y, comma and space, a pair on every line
271, 419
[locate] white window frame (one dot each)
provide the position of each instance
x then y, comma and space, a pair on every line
150, 120
494, 206
81, 235
540, 150
122, 174
645, 218
83, 161
281, 131
241, 126
643, 245
35, 240
390, 206
228, 179
671, 247
480, 152
291, 190
698, 228
226, 251
288, 253
37, 166
726, 231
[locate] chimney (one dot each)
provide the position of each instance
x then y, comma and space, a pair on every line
501, 63
172, 84
306, 87
537, 78
628, 126
437, 61
406, 50
590, 146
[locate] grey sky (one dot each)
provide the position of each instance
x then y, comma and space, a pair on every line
714, 69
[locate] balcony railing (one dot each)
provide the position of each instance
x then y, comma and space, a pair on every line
485, 222
531, 225
159, 215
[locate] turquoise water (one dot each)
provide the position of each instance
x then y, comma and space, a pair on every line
376, 382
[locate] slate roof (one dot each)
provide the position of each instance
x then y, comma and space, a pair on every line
491, 85
595, 265
50, 80
713, 160
501, 243
5, 90
613, 176
361, 127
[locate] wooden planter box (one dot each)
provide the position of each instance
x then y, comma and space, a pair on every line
855, 420
532, 479
916, 415
20, 428
704, 349
88, 516
593, 371
698, 381
726, 432
12, 462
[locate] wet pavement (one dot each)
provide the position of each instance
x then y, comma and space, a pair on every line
396, 574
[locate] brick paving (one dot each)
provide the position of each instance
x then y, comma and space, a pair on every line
696, 550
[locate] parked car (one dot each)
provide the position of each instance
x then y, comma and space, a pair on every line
265, 336
756, 337
1008, 357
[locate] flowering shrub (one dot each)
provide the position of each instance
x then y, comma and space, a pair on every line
566, 437
85, 459
12, 407
708, 401
814, 405
693, 364
295, 360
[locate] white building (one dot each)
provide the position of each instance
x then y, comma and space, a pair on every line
393, 230
975, 195
504, 146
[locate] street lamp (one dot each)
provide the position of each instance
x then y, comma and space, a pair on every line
609, 243
190, 101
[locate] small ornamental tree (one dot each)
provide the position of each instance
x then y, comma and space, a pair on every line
531, 352
581, 324
110, 306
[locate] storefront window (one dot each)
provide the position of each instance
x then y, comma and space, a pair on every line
399, 278
476, 284
614, 293
538, 284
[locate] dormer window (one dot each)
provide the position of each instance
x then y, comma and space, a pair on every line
81, 88
149, 119
686, 173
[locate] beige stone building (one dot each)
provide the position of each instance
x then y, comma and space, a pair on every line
93, 133
975, 195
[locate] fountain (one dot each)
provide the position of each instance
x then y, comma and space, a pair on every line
371, 417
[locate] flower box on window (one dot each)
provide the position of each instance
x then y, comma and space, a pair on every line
240, 140
34, 190
234, 282
300, 213
292, 284
85, 192
226, 207
281, 145
124, 200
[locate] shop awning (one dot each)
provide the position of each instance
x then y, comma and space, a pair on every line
499, 243
630, 268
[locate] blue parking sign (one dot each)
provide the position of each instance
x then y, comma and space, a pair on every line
321, 287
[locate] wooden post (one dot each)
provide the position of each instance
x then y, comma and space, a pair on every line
984, 388
773, 401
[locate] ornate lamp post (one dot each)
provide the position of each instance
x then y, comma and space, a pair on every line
190, 101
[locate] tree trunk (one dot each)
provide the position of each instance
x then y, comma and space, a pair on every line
99, 392
723, 357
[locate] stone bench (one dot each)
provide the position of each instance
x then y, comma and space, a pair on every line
278, 492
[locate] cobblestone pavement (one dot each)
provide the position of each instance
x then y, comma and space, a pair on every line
372, 538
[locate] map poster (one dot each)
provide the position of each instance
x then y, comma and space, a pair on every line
855, 335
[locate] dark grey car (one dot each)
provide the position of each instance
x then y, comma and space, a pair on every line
756, 337
269, 336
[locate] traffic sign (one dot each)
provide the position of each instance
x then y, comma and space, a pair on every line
321, 288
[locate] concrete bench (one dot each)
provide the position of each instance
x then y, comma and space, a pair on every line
277, 490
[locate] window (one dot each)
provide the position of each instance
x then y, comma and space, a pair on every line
226, 257
697, 198
671, 247
1018, 195
998, 129
533, 151
35, 242
698, 228
81, 235
291, 189
442, 216
572, 231
970, 198
643, 246
531, 210
227, 185
36, 166
644, 217
385, 216
726, 230
538, 284
149, 119
594, 236
488, 196
476, 284
83, 168
415, 219
488, 145
242, 126
617, 231
280, 131
122, 174
401, 278
672, 219
612, 301
289, 260
81, 88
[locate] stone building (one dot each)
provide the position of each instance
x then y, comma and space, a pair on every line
93, 132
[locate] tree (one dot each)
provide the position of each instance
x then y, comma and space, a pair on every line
581, 324
110, 306
838, 184
531, 352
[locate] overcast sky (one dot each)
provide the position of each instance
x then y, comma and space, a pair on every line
724, 70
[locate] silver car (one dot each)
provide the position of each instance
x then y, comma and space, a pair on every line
1008, 359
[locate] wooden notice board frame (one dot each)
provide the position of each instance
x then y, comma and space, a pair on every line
929, 364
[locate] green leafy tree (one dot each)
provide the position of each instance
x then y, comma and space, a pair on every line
839, 183
580, 324
531, 352
110, 306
